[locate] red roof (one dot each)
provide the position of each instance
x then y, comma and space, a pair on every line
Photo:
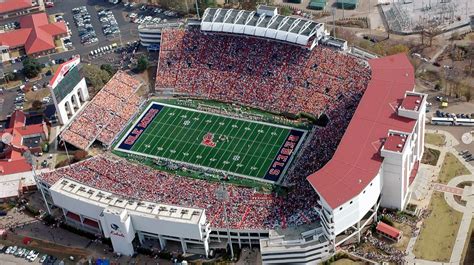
36, 34
357, 159
13, 167
412, 102
15, 162
395, 143
388, 230
13, 5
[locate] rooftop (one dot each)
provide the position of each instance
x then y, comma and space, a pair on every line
412, 102
395, 142
111, 201
7, 6
357, 159
23, 137
388, 230
36, 34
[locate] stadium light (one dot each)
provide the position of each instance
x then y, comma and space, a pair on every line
29, 158
223, 195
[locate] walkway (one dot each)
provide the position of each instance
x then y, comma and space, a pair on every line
449, 190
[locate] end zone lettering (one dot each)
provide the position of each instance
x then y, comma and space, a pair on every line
140, 127
280, 161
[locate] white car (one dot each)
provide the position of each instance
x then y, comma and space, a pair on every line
43, 258
9, 249
34, 256
29, 254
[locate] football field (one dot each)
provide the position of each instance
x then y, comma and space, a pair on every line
213, 142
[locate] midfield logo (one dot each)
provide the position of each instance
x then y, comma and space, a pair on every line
208, 140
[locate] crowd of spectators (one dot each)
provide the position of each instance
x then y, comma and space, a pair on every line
107, 113
247, 209
256, 72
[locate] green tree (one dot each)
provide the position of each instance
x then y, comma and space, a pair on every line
142, 64
31, 67
95, 77
285, 11
37, 104
109, 68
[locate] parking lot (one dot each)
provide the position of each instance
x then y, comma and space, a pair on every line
7, 99
93, 6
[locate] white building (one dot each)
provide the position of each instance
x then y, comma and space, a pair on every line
377, 158
122, 219
68, 90
265, 22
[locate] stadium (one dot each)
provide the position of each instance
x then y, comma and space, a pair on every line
260, 133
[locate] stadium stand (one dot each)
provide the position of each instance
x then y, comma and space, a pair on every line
255, 72
248, 209
103, 118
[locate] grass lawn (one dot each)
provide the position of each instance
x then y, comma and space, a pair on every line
435, 139
438, 233
346, 262
430, 156
451, 168
403, 243
60, 158
35, 95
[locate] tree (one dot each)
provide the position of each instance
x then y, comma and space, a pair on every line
109, 68
142, 64
36, 104
285, 11
31, 67
95, 77
470, 57
399, 48
467, 91
80, 155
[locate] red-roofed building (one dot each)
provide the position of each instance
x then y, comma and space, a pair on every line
17, 138
13, 8
35, 37
388, 231
382, 145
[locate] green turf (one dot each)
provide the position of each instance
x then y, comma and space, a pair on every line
176, 133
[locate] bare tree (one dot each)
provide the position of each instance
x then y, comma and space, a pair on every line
429, 29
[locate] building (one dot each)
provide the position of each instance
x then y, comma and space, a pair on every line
378, 156
13, 8
317, 4
388, 231
365, 173
121, 219
36, 36
265, 22
19, 136
347, 4
69, 90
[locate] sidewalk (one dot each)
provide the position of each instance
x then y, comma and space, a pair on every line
448, 190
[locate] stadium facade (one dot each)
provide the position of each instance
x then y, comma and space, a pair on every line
68, 90
374, 166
